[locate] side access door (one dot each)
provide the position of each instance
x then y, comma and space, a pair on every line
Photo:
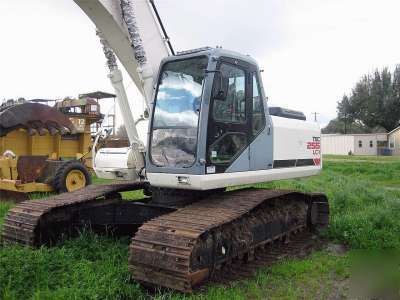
261, 143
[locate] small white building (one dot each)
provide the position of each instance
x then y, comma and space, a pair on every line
394, 141
357, 144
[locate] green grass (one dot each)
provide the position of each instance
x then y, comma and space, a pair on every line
4, 207
363, 158
364, 207
90, 267
364, 195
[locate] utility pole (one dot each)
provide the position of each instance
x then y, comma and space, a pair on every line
315, 116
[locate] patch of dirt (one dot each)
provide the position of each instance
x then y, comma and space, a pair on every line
340, 289
336, 249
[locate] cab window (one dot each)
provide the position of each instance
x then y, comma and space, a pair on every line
233, 108
258, 121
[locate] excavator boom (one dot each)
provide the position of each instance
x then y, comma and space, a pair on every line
122, 23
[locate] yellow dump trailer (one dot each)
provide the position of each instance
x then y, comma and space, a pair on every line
45, 149
55, 146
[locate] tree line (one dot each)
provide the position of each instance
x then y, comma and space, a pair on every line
372, 106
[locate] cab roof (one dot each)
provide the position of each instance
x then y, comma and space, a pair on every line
209, 51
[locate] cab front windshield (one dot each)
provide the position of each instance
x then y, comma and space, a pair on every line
176, 113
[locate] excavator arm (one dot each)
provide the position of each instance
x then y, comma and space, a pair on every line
133, 32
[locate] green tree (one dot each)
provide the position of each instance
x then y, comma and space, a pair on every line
373, 102
345, 127
345, 113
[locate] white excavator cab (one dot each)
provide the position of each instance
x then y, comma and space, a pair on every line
211, 127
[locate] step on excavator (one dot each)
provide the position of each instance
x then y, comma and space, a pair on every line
209, 128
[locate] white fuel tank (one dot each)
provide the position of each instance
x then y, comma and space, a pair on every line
115, 163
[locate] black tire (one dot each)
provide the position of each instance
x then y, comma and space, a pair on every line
60, 178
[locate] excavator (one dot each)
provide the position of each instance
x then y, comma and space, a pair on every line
209, 129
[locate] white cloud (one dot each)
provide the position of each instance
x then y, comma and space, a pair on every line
329, 45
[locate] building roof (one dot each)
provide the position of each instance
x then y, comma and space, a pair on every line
97, 95
394, 130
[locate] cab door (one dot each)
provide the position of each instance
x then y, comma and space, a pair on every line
229, 125
261, 145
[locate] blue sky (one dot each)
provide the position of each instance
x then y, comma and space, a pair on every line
312, 51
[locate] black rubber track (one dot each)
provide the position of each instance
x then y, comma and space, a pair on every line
38, 222
185, 248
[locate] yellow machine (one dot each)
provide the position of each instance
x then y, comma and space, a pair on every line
50, 156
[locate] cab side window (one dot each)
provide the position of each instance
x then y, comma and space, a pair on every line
258, 121
233, 108
227, 146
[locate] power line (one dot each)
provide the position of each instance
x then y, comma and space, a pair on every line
315, 116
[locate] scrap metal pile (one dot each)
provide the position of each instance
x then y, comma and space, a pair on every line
35, 164
35, 118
